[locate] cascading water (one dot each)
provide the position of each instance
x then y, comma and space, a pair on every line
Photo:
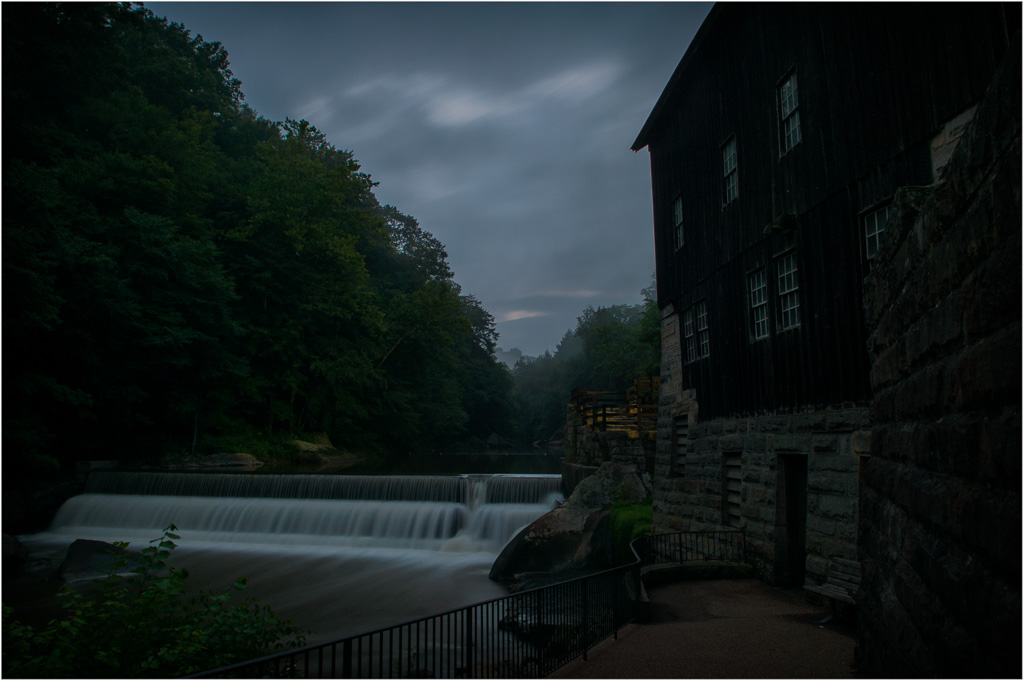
336, 554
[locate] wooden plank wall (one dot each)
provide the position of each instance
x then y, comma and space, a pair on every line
875, 84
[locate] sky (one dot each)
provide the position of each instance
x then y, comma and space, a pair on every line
503, 128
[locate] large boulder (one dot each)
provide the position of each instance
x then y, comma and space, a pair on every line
574, 538
88, 559
239, 461
323, 454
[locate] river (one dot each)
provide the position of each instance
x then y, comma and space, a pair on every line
337, 554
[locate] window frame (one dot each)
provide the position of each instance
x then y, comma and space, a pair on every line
866, 237
789, 113
730, 171
688, 336
788, 291
757, 299
679, 236
703, 336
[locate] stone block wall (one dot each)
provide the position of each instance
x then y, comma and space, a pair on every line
677, 410
940, 505
689, 494
586, 446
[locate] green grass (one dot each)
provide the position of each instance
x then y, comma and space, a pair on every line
629, 521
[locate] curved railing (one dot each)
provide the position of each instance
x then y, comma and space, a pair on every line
524, 635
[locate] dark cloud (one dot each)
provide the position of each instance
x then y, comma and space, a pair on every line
504, 128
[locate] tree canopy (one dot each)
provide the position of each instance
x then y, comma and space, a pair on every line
183, 275
609, 348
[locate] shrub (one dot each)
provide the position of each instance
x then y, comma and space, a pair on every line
141, 621
629, 521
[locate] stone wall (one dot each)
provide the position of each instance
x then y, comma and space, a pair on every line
573, 474
590, 447
940, 507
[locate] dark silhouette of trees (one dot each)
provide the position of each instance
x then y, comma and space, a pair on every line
182, 275
609, 348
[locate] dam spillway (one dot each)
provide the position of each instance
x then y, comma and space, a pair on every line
337, 554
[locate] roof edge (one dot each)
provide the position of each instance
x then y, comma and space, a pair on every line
652, 120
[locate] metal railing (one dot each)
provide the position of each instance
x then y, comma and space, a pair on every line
683, 547
525, 635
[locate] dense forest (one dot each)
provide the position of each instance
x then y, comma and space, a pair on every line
183, 276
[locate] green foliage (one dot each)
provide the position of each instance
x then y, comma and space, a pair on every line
628, 522
189, 274
141, 621
609, 348
245, 438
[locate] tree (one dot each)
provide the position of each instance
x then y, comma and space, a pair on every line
609, 348
191, 276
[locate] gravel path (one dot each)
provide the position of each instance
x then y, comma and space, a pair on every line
737, 629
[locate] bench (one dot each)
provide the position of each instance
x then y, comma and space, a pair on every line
841, 584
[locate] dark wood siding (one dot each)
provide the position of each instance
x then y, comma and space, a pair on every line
875, 83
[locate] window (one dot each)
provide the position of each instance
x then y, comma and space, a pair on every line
702, 329
789, 116
874, 225
698, 345
681, 428
732, 488
691, 348
677, 218
789, 300
758, 283
729, 174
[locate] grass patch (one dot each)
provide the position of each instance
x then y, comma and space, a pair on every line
629, 521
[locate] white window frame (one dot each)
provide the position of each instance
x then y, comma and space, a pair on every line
789, 114
872, 230
789, 292
704, 348
677, 219
691, 346
730, 172
757, 285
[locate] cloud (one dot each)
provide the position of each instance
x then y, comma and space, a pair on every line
575, 84
520, 314
582, 293
458, 109
447, 103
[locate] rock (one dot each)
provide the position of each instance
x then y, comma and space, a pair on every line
238, 460
88, 559
324, 454
495, 440
572, 538
15, 555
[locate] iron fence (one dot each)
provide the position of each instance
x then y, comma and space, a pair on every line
525, 635
683, 547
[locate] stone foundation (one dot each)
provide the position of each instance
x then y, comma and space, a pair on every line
940, 527
794, 483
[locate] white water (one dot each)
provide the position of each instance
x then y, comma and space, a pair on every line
338, 556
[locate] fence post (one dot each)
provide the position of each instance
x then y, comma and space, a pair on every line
346, 659
585, 583
615, 605
470, 635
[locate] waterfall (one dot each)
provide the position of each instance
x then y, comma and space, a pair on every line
468, 513
337, 554
354, 487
